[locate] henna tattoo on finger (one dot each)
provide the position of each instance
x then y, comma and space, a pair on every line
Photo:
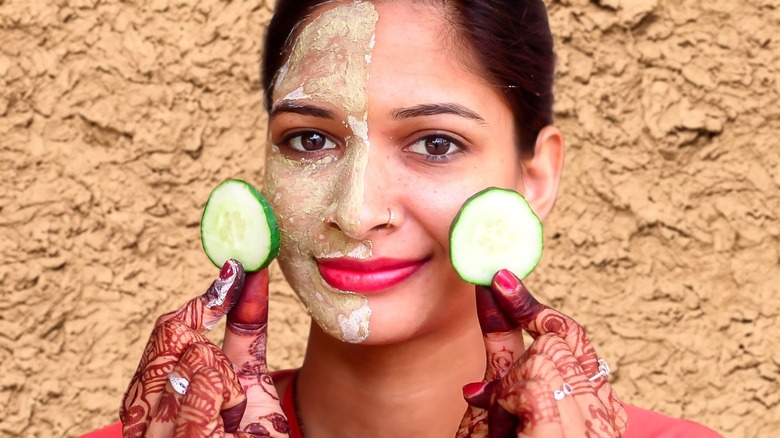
257, 351
279, 422
134, 420
473, 424
199, 411
167, 408
499, 362
257, 429
532, 402
599, 423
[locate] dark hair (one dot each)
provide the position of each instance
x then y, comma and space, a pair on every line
510, 39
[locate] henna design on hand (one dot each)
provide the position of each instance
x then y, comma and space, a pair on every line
167, 408
530, 401
257, 429
199, 412
173, 334
561, 350
279, 422
501, 361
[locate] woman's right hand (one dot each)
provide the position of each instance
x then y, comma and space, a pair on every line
229, 391
555, 387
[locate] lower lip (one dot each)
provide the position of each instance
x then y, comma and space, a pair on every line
366, 282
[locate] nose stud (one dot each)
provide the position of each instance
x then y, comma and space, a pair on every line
390, 218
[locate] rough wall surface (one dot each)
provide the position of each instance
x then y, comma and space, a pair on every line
118, 117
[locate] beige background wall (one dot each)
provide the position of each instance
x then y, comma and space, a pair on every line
117, 118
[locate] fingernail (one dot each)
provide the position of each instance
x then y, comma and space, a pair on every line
224, 291
506, 280
472, 389
478, 394
227, 271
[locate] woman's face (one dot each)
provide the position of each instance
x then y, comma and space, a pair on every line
378, 110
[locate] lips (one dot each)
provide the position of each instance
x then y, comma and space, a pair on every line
367, 276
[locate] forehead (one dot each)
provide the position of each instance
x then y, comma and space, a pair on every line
331, 52
337, 34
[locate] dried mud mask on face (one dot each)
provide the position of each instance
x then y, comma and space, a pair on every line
328, 64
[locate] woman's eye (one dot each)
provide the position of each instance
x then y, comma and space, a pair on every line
435, 147
310, 142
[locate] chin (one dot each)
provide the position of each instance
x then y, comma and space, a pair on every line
420, 311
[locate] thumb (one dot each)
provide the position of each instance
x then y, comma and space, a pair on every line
503, 339
246, 337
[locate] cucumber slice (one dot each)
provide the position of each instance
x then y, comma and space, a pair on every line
238, 223
495, 229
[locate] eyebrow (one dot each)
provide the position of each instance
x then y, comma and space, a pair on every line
433, 109
291, 106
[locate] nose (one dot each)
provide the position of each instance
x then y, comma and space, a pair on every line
361, 204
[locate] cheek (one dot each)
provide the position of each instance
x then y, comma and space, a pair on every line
436, 203
298, 200
435, 208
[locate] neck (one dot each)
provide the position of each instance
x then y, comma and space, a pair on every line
415, 385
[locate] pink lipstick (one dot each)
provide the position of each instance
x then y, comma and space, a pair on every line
367, 276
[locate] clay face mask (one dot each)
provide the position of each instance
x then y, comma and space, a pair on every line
328, 64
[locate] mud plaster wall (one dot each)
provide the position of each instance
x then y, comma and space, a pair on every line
117, 118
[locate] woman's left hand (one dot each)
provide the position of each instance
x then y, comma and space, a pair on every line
542, 391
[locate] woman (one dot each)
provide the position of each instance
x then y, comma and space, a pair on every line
383, 118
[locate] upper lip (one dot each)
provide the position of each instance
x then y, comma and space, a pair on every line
373, 265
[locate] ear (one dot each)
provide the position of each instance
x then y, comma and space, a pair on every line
542, 172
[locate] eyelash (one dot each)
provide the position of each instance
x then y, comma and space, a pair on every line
440, 158
285, 141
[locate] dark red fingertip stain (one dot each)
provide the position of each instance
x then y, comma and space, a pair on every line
514, 299
251, 310
232, 417
491, 318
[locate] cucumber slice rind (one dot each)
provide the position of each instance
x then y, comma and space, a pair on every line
239, 223
495, 229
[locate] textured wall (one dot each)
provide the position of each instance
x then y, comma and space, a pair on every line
117, 118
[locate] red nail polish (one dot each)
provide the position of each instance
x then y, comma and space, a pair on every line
472, 389
226, 272
506, 280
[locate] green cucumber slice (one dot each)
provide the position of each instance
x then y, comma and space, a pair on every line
495, 229
238, 223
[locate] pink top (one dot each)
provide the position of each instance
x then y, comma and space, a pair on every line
641, 422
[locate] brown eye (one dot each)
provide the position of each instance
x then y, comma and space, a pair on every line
437, 145
310, 142
436, 148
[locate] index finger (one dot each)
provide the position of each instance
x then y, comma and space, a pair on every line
537, 319
203, 312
